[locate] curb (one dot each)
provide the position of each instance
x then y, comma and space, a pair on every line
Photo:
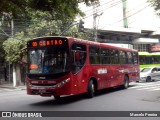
11, 87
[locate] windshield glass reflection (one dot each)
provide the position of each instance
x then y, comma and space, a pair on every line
48, 61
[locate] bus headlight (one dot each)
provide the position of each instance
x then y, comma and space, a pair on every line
61, 83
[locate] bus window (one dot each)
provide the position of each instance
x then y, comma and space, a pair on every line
78, 56
94, 55
105, 56
122, 57
130, 58
114, 57
135, 58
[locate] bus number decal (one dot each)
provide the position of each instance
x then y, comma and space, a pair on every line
102, 71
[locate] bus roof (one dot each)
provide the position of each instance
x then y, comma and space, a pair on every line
88, 42
103, 45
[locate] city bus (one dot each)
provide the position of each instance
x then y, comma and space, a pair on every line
147, 59
60, 66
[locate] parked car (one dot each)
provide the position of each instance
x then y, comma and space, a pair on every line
149, 74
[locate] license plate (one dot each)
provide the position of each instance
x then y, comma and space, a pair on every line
42, 91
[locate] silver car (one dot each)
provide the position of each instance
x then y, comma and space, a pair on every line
149, 74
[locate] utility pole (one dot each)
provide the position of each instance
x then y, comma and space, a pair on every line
14, 65
95, 6
12, 27
125, 20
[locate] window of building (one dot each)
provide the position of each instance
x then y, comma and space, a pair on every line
141, 47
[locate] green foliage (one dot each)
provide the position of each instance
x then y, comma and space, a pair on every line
46, 17
12, 7
62, 9
73, 31
43, 24
13, 47
89, 2
85, 36
156, 5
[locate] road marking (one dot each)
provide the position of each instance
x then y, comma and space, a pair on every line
153, 86
148, 88
155, 89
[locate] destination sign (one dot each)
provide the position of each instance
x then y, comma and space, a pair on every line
40, 43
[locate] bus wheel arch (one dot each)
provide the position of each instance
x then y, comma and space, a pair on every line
92, 87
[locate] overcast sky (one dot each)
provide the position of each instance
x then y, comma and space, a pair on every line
140, 15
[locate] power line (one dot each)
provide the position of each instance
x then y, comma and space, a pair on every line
136, 7
129, 15
112, 5
100, 6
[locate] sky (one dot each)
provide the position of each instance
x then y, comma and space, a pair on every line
141, 15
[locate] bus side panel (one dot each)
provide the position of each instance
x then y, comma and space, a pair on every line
106, 76
136, 72
102, 75
116, 75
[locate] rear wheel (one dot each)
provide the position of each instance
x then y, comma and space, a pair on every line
91, 89
126, 82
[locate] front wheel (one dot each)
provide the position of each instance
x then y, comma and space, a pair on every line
148, 79
126, 82
91, 89
57, 97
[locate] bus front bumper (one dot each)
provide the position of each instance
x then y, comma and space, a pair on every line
48, 90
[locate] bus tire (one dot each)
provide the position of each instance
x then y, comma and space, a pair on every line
126, 82
91, 89
57, 97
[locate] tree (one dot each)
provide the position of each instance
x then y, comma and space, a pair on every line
13, 52
46, 17
156, 5
57, 8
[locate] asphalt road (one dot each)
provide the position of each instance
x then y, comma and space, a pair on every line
138, 97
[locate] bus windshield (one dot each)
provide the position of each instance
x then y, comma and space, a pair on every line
48, 60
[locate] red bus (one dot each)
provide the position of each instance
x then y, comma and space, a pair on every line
68, 66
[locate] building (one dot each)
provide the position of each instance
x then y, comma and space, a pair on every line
127, 23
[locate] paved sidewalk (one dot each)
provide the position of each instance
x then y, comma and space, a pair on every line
10, 86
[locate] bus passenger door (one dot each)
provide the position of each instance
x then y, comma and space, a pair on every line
78, 61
